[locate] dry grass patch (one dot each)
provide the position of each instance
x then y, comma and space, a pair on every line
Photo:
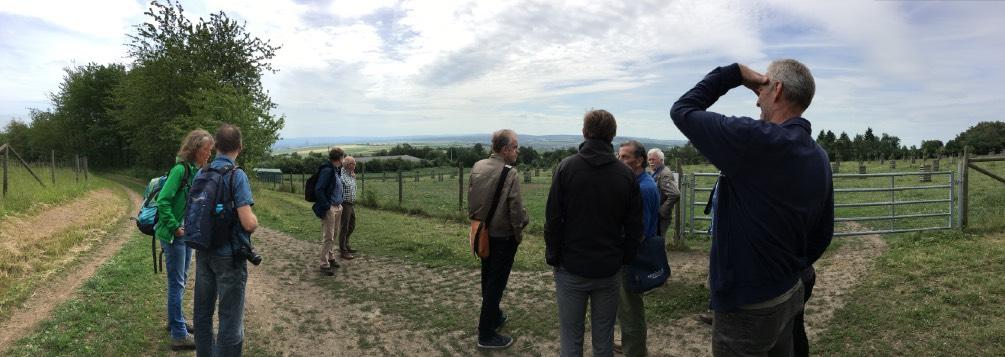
36, 248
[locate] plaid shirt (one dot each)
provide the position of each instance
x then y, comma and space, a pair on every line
348, 188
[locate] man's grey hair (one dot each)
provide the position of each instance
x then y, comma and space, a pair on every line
658, 152
797, 81
502, 138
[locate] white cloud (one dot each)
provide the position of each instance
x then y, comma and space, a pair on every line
383, 67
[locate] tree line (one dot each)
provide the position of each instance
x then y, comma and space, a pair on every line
984, 138
184, 75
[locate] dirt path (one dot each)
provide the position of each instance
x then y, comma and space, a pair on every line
291, 308
837, 274
52, 221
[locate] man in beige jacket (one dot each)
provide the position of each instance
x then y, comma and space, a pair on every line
505, 230
669, 193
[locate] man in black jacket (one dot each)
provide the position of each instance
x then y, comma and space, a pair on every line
593, 227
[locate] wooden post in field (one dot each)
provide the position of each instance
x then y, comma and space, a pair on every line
292, 190
400, 186
76, 170
460, 187
935, 165
6, 158
526, 177
416, 175
836, 167
85, 169
52, 169
964, 187
893, 164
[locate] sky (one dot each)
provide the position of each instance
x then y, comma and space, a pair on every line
915, 69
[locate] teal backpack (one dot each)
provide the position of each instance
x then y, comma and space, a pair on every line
146, 218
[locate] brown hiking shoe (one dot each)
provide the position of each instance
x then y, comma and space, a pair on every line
187, 343
347, 256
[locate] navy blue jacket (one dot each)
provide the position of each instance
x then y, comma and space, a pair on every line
328, 190
775, 210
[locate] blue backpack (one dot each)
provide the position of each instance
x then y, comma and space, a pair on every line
211, 215
146, 218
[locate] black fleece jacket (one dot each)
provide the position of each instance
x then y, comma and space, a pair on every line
594, 213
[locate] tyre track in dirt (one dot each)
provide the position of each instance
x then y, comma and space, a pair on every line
837, 274
294, 309
39, 307
291, 309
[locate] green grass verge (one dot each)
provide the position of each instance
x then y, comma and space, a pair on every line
931, 294
431, 241
118, 312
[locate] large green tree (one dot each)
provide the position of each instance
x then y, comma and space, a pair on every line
82, 121
189, 75
984, 138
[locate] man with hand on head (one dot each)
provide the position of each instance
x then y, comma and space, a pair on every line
775, 211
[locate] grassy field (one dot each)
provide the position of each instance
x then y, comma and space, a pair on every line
26, 195
432, 197
933, 293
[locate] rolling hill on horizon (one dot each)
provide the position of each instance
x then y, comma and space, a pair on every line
538, 142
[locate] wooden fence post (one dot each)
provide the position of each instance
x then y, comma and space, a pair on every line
76, 170
460, 187
53, 168
85, 169
964, 187
6, 158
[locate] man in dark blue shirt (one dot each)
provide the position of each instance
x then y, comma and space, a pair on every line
631, 307
775, 209
328, 207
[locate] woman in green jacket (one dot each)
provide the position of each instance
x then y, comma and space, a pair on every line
193, 154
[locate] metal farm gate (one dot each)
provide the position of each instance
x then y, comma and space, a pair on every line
864, 204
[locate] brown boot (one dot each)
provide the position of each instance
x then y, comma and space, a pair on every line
347, 256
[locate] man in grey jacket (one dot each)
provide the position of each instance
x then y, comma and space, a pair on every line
505, 230
669, 193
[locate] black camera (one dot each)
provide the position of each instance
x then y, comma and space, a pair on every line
248, 252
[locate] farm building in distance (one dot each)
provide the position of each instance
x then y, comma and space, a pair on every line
268, 175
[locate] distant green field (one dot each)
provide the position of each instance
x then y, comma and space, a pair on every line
356, 149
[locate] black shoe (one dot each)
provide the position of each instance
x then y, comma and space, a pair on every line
333, 263
495, 342
329, 271
502, 321
704, 317
188, 327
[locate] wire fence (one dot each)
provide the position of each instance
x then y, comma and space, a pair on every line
26, 184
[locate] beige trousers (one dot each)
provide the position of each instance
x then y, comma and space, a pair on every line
329, 231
